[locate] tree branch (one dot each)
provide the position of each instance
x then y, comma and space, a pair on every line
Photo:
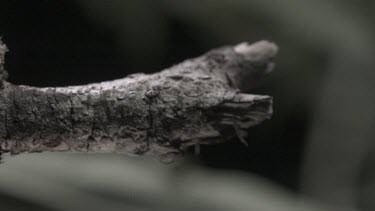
195, 102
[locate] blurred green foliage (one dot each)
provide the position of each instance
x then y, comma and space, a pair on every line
55, 181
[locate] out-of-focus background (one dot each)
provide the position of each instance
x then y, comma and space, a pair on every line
316, 153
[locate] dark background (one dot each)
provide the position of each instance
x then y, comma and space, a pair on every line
54, 43
325, 48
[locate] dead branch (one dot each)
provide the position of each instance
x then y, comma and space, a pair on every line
195, 102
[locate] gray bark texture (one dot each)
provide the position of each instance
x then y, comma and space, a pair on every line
198, 101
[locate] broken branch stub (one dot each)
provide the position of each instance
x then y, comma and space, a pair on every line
3, 73
195, 102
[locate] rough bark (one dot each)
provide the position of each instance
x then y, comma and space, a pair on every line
195, 102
